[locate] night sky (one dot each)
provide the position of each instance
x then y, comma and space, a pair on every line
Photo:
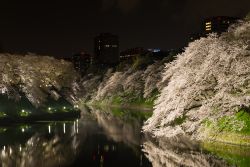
60, 28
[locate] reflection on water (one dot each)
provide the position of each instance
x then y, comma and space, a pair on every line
178, 151
235, 155
101, 138
98, 138
49, 144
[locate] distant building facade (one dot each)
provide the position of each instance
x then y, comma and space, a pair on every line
81, 61
106, 49
218, 24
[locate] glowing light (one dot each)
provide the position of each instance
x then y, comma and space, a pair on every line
102, 159
77, 126
20, 148
23, 130
49, 108
208, 29
4, 148
154, 50
64, 107
64, 128
49, 129
23, 110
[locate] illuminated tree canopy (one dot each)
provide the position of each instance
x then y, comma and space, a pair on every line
35, 76
210, 80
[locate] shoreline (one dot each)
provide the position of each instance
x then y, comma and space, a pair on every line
122, 106
230, 138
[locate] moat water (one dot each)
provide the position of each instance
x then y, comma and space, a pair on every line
107, 138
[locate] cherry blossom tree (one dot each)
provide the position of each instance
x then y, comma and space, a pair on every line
35, 76
211, 79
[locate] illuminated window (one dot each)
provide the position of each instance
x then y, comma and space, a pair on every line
107, 46
208, 23
208, 26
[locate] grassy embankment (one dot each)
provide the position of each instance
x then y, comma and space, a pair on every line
128, 101
228, 129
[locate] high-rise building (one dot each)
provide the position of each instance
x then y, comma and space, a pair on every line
106, 49
218, 24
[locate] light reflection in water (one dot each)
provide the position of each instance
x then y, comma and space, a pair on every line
64, 128
49, 129
89, 140
99, 138
178, 151
10, 151
74, 127
77, 126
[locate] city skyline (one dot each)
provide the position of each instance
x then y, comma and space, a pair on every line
61, 29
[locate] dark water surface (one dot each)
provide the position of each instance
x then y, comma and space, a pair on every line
105, 138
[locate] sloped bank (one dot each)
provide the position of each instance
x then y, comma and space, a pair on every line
206, 93
131, 84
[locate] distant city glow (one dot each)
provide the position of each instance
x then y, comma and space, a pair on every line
154, 50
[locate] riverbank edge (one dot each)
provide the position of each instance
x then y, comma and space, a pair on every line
205, 134
142, 107
232, 138
63, 116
